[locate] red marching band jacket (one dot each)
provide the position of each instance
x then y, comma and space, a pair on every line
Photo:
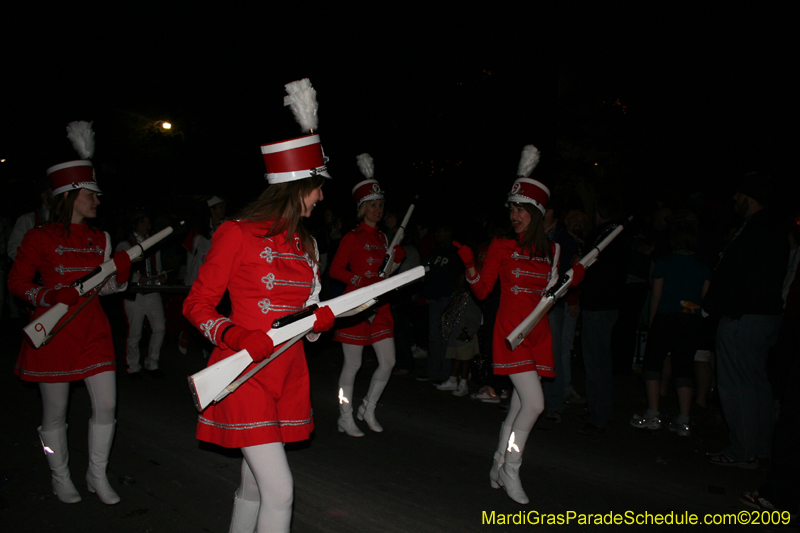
267, 278
523, 280
84, 347
358, 258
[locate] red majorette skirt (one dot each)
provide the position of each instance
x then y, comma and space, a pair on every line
272, 406
364, 332
534, 354
82, 349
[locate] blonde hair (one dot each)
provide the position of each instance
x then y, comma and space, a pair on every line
362, 208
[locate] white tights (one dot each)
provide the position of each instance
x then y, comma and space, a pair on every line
527, 401
102, 389
384, 350
266, 479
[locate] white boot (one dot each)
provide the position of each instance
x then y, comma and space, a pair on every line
54, 443
100, 439
346, 422
463, 388
508, 475
245, 516
367, 410
499, 455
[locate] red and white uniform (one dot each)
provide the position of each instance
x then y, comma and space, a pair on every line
358, 258
523, 280
84, 347
267, 278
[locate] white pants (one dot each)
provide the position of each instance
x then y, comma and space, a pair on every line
150, 306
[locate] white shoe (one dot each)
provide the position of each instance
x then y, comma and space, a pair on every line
54, 443
420, 353
450, 384
573, 398
682, 430
642, 422
463, 388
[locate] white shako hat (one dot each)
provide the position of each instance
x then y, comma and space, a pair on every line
368, 189
78, 174
526, 190
301, 157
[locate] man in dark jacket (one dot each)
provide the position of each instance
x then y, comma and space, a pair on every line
444, 266
601, 296
746, 293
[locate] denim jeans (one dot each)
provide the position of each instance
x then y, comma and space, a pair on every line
438, 364
596, 342
744, 390
562, 329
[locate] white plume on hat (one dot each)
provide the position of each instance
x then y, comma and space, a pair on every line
528, 161
302, 99
366, 165
80, 133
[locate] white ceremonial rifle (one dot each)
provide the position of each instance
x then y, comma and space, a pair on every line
386, 267
42, 330
217, 381
558, 290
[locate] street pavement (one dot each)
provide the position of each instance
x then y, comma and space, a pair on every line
427, 472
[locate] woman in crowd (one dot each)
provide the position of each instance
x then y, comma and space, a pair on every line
61, 251
357, 261
526, 266
680, 282
268, 263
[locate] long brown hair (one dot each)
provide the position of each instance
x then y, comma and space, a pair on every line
534, 239
284, 203
61, 210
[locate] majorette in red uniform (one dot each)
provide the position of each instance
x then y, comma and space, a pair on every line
357, 261
526, 265
62, 251
268, 263
523, 280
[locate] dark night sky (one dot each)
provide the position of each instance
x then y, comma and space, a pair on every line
706, 96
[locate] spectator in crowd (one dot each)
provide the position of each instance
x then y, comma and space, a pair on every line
746, 293
680, 281
444, 267
461, 320
601, 296
563, 318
